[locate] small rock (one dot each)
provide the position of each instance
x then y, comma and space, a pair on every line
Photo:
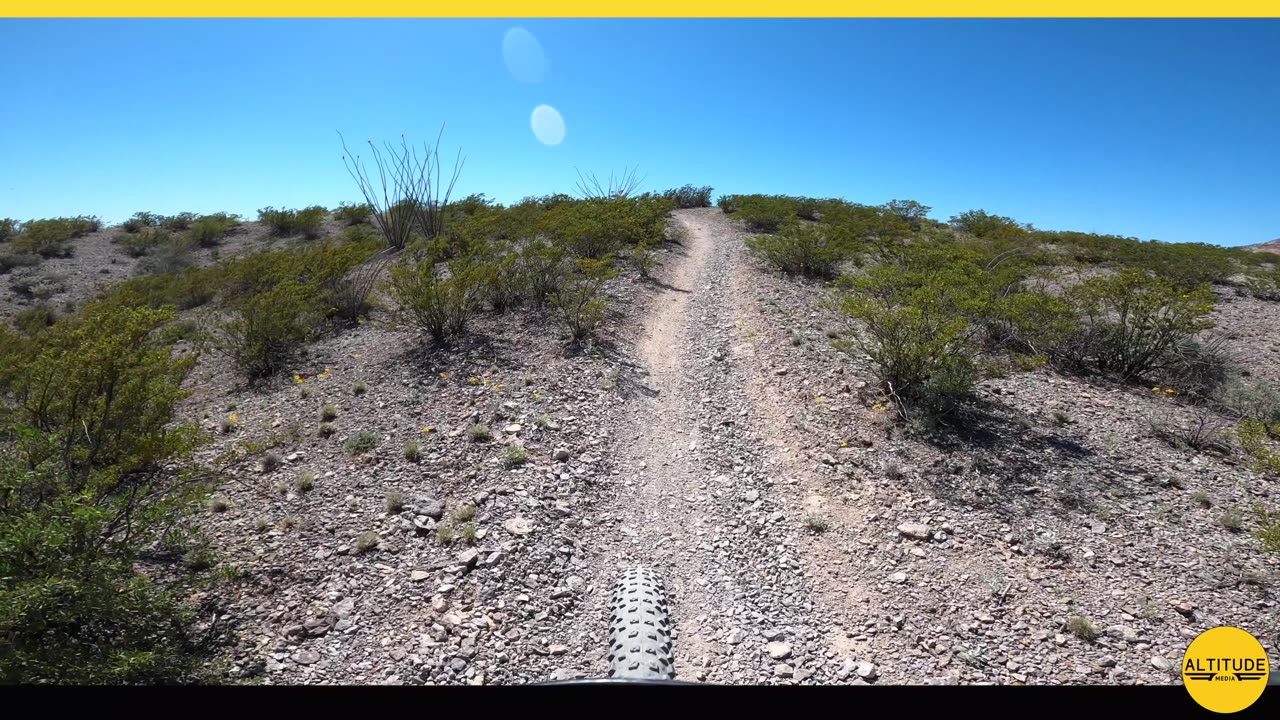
783, 670
1161, 663
419, 575
898, 577
867, 671
915, 531
778, 650
558, 649
518, 526
561, 454
307, 657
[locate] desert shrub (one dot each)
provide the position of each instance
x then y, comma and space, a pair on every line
352, 213
209, 230
581, 303
350, 296
436, 302
265, 331
909, 211
140, 221
51, 238
471, 205
982, 224
689, 196
644, 258
10, 259
362, 442
804, 249
1263, 287
1258, 401
30, 283
728, 204
1198, 367
595, 228
1132, 322
181, 221
172, 255
8, 228
36, 319
765, 213
308, 222
88, 487
917, 332
142, 241
1187, 265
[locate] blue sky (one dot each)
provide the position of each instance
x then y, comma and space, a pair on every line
1154, 129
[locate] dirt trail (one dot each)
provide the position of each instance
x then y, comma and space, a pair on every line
702, 498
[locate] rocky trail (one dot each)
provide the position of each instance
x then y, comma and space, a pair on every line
719, 438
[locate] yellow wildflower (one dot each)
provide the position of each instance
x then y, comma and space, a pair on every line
427, 429
1155, 389
473, 380
232, 417
444, 376
1169, 391
537, 396
298, 377
817, 400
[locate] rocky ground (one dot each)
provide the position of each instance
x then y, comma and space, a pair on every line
717, 435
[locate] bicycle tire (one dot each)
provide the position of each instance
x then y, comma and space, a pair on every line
640, 644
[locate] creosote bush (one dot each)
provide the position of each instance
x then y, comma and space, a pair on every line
804, 249
581, 303
435, 302
91, 482
689, 196
308, 222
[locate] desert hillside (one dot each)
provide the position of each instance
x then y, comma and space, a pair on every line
857, 443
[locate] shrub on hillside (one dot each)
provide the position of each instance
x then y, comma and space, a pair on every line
140, 221
31, 283
10, 259
352, 213
173, 255
51, 238
91, 483
181, 221
142, 242
436, 302
8, 228
728, 204
909, 211
689, 196
1132, 322
804, 249
581, 302
982, 224
765, 213
917, 333
308, 222
265, 331
209, 230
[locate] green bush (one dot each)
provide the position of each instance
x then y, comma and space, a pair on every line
308, 222
173, 255
362, 442
917, 332
909, 211
36, 319
31, 283
436, 303
804, 249
728, 204
1132, 322
689, 196
209, 230
142, 242
266, 330
982, 224
595, 228
50, 238
88, 487
765, 213
8, 228
10, 259
581, 303
140, 221
181, 221
352, 213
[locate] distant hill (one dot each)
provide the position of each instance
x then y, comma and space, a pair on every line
1267, 247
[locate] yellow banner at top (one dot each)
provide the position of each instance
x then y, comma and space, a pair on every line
650, 9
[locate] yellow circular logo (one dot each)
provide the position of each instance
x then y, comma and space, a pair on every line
1225, 669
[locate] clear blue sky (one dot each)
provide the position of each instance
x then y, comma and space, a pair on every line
1155, 129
